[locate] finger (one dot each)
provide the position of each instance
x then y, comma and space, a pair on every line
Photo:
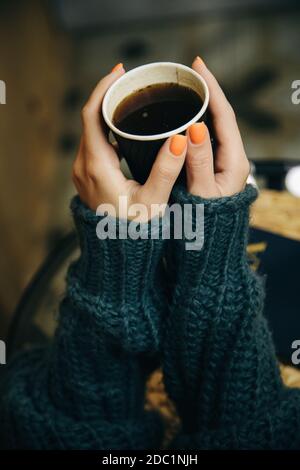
220, 107
199, 161
166, 169
116, 148
91, 115
78, 164
224, 120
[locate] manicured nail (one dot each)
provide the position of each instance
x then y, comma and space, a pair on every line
117, 67
199, 60
177, 144
197, 133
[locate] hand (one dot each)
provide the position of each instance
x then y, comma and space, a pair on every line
227, 173
96, 170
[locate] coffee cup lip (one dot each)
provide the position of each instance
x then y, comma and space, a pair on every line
163, 135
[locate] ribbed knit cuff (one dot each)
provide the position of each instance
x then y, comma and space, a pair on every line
222, 241
117, 279
226, 204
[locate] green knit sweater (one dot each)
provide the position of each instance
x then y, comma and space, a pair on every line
123, 314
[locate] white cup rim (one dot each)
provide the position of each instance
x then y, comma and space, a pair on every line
163, 135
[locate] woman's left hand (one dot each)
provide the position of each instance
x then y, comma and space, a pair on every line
97, 174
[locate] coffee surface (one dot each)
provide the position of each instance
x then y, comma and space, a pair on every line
156, 109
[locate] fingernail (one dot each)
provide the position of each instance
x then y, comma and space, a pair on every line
199, 60
177, 144
117, 67
197, 133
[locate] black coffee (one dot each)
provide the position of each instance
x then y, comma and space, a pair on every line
157, 109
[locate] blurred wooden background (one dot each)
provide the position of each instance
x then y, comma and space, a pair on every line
34, 63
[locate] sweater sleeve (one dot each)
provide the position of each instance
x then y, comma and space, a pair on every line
87, 390
219, 362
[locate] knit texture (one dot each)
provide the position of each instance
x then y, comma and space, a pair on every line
87, 390
219, 362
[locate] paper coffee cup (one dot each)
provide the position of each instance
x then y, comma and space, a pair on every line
140, 150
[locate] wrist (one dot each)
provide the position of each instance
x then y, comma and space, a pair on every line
116, 251
226, 204
118, 280
222, 241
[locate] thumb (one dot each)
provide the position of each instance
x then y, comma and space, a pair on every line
199, 162
166, 169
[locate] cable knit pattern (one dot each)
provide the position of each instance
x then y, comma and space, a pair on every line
219, 362
126, 302
87, 390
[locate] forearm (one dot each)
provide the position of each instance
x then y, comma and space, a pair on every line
219, 362
110, 319
87, 390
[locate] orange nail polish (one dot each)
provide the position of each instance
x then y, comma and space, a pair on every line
177, 144
197, 133
117, 67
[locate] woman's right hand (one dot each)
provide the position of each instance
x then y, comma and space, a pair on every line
225, 173
96, 170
